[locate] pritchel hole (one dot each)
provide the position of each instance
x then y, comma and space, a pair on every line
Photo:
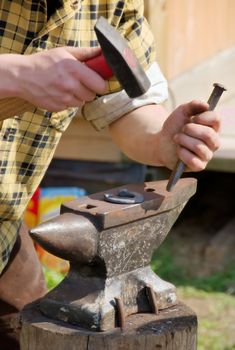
89, 206
150, 190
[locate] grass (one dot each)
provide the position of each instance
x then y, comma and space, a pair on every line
216, 313
163, 263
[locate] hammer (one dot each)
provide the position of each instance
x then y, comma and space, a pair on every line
116, 58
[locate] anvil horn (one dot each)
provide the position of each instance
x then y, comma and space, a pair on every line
68, 236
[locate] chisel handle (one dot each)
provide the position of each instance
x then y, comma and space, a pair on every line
180, 166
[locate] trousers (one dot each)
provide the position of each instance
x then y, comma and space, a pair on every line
21, 282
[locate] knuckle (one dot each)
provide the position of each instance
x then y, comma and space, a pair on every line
66, 99
192, 163
195, 102
215, 144
216, 117
80, 103
188, 128
90, 97
209, 136
202, 166
197, 165
199, 149
208, 156
68, 86
203, 152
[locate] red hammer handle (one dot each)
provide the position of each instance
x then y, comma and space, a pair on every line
100, 66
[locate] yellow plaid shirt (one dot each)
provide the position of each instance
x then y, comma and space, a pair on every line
28, 142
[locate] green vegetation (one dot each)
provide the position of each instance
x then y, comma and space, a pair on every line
216, 314
163, 263
52, 277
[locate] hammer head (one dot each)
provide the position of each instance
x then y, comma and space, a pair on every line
121, 59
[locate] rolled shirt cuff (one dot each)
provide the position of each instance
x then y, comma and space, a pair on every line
106, 109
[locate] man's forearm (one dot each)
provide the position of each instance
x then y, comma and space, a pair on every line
137, 134
10, 104
190, 133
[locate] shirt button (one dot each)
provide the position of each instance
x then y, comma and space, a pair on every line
75, 4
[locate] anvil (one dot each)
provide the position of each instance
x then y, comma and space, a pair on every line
110, 246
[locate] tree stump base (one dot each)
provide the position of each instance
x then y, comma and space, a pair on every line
174, 328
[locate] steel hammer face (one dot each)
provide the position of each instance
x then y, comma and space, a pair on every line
118, 59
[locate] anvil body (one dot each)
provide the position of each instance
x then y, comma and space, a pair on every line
110, 247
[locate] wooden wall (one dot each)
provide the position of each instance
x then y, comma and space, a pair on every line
190, 31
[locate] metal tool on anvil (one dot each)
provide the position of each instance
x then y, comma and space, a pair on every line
116, 59
180, 167
110, 247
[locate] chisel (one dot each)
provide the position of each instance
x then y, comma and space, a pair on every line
180, 166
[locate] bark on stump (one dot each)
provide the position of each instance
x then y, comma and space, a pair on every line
174, 328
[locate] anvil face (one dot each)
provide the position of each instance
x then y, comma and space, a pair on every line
110, 247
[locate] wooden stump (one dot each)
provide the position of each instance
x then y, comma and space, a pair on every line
174, 328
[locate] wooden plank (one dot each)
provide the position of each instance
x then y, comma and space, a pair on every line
197, 83
191, 31
82, 142
157, 17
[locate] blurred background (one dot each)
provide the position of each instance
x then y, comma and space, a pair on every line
195, 47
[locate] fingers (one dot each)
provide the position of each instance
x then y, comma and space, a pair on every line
92, 80
183, 114
76, 88
83, 54
192, 108
87, 76
196, 145
206, 134
192, 162
198, 140
199, 148
209, 119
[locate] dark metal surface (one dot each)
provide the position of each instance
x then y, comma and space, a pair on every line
70, 237
180, 167
120, 313
121, 59
152, 299
156, 200
124, 196
110, 247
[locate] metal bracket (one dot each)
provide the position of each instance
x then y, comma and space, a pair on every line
124, 196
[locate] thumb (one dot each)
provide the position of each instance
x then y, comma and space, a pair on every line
84, 53
193, 108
